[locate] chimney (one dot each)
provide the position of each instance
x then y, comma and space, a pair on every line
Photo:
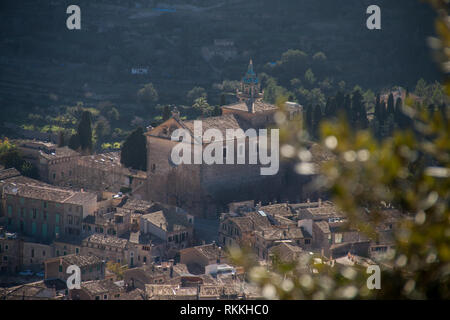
320, 202
171, 271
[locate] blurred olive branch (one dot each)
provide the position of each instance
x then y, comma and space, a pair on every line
409, 171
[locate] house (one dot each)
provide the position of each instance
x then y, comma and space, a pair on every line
97, 290
11, 248
174, 226
45, 212
237, 229
198, 257
271, 236
336, 239
153, 274
92, 267
50, 289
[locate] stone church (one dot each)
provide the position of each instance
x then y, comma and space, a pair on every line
202, 189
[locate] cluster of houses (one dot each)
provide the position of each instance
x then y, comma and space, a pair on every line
133, 233
153, 245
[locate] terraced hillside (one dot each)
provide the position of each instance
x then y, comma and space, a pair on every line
43, 64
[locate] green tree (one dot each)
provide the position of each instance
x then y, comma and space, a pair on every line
317, 119
10, 157
166, 113
134, 151
217, 111
223, 100
201, 106
309, 77
390, 105
102, 129
410, 172
195, 93
147, 95
85, 132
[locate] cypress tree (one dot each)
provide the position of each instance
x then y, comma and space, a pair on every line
309, 120
358, 111
85, 131
217, 111
330, 108
339, 101
377, 111
74, 142
348, 107
223, 99
317, 118
166, 113
134, 151
390, 104
398, 112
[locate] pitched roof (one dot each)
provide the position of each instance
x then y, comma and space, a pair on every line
79, 260
210, 251
168, 221
281, 209
9, 173
323, 226
96, 287
258, 105
221, 123
274, 233
101, 239
48, 193
286, 251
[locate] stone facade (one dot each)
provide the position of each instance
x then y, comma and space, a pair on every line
92, 267
45, 213
204, 190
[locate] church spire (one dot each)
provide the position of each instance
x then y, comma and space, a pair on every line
250, 67
250, 88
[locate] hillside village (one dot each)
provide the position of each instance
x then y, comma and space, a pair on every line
167, 233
